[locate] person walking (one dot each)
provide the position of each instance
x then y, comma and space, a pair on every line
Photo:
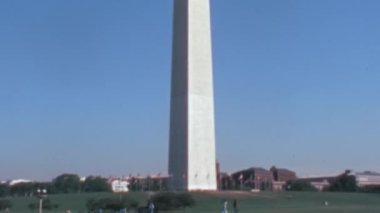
151, 207
235, 206
225, 207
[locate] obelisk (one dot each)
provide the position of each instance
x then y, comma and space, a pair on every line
192, 130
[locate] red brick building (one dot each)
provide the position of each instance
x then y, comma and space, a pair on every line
253, 178
280, 174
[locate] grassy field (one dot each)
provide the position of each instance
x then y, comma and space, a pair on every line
265, 202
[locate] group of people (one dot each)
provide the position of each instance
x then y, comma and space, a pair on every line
150, 207
234, 207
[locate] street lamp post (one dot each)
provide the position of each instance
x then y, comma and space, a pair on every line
41, 194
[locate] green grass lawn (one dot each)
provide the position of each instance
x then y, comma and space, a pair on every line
265, 202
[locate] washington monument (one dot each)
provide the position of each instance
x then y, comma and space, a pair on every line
192, 131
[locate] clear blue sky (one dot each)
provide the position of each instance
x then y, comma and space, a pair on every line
84, 86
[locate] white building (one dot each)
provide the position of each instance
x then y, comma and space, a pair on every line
320, 185
119, 185
278, 186
367, 178
17, 181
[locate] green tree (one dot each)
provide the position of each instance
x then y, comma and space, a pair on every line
50, 188
67, 183
96, 184
22, 189
299, 185
344, 183
4, 190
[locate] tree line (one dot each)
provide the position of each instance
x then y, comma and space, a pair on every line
65, 183
342, 183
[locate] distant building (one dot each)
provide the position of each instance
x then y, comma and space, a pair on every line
218, 176
367, 178
17, 181
226, 181
253, 178
118, 184
82, 179
282, 175
320, 183
140, 183
157, 182
278, 185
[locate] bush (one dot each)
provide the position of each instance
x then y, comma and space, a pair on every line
46, 204
299, 185
111, 204
172, 201
5, 204
105, 204
370, 189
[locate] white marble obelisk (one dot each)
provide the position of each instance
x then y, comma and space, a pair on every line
192, 132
